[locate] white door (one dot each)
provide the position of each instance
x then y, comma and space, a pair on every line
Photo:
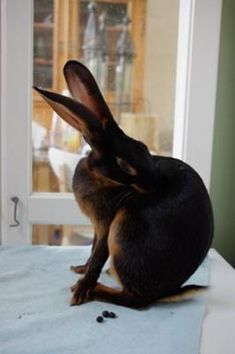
197, 46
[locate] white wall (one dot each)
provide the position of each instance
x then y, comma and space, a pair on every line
223, 163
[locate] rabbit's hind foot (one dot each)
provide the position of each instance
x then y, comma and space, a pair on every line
80, 269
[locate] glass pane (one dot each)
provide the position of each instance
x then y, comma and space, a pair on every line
133, 60
43, 43
62, 235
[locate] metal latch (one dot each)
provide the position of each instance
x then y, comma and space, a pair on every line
16, 223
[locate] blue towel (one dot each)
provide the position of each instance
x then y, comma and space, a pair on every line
36, 316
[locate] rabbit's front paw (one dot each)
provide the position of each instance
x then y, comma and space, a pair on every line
80, 292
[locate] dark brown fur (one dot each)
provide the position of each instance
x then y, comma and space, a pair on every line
152, 215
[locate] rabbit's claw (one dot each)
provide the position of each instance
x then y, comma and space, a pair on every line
80, 292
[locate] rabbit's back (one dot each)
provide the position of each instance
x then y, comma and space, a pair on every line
161, 242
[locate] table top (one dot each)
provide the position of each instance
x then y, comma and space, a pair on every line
35, 281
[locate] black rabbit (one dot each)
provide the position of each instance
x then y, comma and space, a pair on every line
151, 214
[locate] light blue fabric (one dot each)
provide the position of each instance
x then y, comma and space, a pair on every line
36, 317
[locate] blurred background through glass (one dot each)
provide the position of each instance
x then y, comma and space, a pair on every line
130, 47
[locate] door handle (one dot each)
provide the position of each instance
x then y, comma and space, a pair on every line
16, 223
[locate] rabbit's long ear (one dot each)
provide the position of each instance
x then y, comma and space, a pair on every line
85, 90
75, 114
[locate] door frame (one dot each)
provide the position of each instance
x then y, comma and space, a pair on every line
197, 61
196, 83
16, 17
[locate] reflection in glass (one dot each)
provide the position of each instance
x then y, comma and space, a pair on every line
62, 235
124, 70
43, 43
134, 64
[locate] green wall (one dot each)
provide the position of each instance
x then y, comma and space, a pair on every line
223, 163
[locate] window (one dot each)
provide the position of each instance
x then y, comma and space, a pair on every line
80, 30
154, 32
60, 33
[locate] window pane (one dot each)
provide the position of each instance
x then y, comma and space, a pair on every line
62, 235
133, 60
43, 43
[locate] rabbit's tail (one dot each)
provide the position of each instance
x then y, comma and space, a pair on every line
184, 293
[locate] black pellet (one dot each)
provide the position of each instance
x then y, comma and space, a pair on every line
105, 314
112, 315
99, 319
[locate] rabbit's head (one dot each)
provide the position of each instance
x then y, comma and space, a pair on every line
114, 155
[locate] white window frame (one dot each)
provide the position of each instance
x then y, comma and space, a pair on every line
198, 48
196, 83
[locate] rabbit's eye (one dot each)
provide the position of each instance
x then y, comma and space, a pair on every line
126, 167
